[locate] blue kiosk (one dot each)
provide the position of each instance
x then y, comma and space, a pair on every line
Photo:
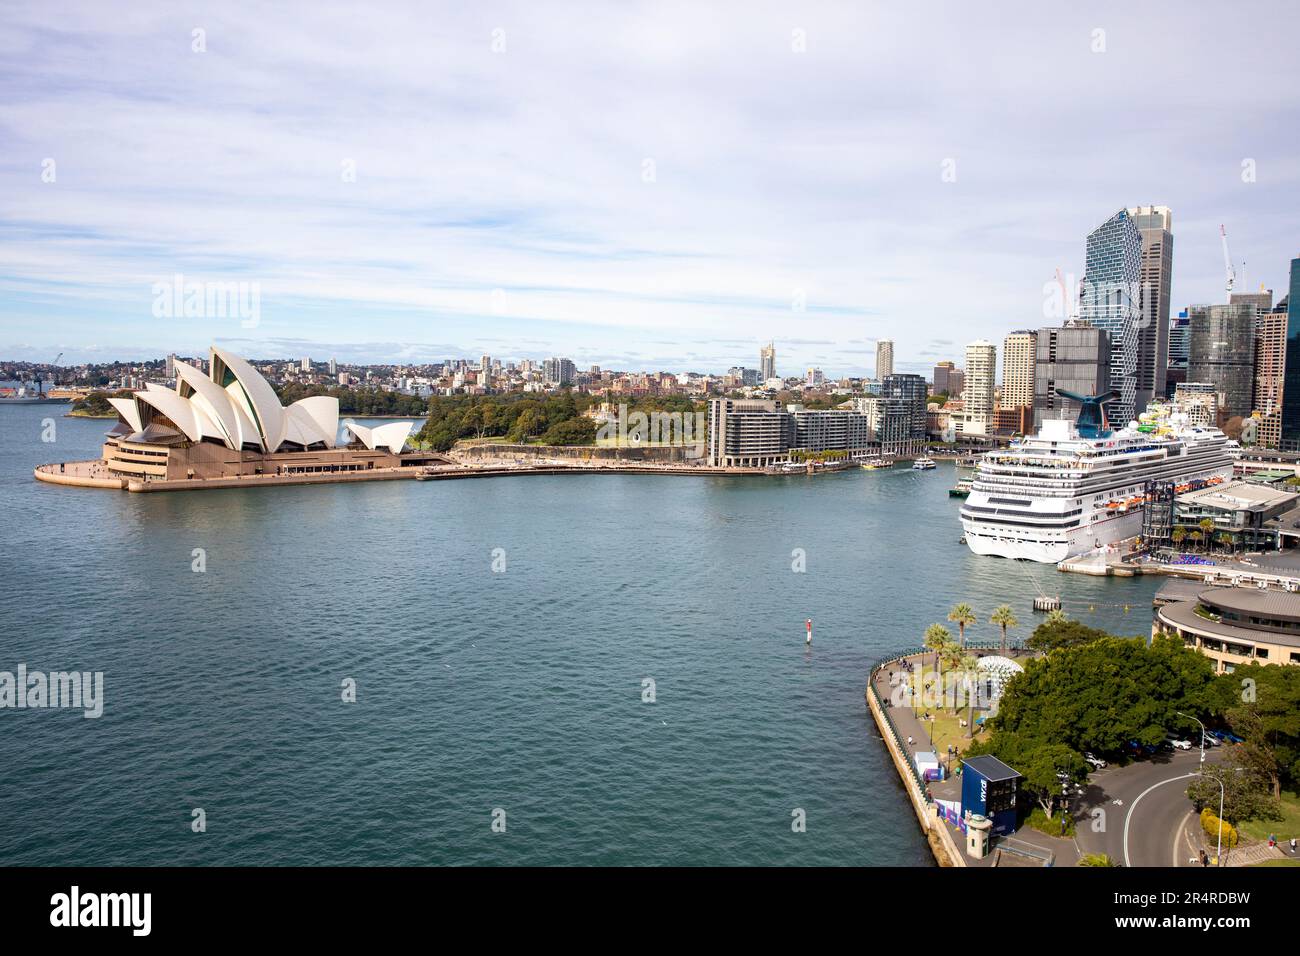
988, 787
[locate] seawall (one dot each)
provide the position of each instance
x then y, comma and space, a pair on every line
937, 834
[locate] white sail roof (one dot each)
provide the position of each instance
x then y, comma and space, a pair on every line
235, 405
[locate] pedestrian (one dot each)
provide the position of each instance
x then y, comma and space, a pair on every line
1293, 845
910, 742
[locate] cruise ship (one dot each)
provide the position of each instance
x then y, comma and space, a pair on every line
1079, 486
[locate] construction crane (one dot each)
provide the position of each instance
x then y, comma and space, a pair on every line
1227, 262
1071, 308
54, 377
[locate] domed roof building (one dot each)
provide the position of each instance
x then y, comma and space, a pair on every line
229, 423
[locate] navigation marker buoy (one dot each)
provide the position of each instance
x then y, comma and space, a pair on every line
809, 625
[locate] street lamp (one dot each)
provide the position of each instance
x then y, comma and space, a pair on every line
1218, 853
1190, 717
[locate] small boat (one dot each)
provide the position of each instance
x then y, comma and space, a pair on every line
962, 488
923, 464
875, 464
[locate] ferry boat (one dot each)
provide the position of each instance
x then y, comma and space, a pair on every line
923, 464
1080, 486
876, 464
962, 488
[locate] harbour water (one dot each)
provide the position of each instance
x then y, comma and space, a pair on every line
519, 688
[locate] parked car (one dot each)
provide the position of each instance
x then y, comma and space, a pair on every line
1178, 743
1213, 741
1097, 762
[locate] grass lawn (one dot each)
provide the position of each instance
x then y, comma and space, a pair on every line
1284, 829
946, 728
1288, 862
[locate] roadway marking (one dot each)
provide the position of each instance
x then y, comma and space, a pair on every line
1133, 806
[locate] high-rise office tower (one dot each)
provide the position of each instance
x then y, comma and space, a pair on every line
1108, 299
1155, 225
1270, 356
1018, 369
1291, 365
334, 367
884, 359
981, 372
1179, 352
767, 361
171, 365
306, 365
943, 379
1075, 358
1222, 345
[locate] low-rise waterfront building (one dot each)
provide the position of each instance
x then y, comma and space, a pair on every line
1243, 514
1236, 625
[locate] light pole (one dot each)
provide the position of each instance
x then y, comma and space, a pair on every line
1218, 853
1190, 717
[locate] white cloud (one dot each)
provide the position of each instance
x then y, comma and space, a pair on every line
777, 175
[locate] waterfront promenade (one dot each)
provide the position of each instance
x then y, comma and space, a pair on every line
906, 733
94, 474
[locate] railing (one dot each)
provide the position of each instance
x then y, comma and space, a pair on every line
884, 705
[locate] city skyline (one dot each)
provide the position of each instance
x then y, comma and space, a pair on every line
654, 218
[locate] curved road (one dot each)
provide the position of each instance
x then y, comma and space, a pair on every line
1139, 815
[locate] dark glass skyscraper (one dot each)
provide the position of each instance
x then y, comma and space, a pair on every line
1109, 300
1222, 347
1291, 376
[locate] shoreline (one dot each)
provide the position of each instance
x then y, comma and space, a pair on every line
942, 845
93, 474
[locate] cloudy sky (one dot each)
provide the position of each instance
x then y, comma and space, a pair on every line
639, 186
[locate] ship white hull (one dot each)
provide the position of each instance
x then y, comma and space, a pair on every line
1050, 548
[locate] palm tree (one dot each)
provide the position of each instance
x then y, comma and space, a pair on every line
938, 639
969, 664
1178, 537
1004, 618
1196, 538
1055, 617
1207, 529
962, 614
1225, 539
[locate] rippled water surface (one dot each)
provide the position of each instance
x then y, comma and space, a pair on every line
477, 690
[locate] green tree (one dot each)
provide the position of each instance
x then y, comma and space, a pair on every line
1104, 693
938, 639
962, 615
1004, 618
1178, 537
571, 431
1246, 794
1038, 761
1062, 632
1266, 712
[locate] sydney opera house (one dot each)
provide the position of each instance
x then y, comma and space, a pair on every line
229, 423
